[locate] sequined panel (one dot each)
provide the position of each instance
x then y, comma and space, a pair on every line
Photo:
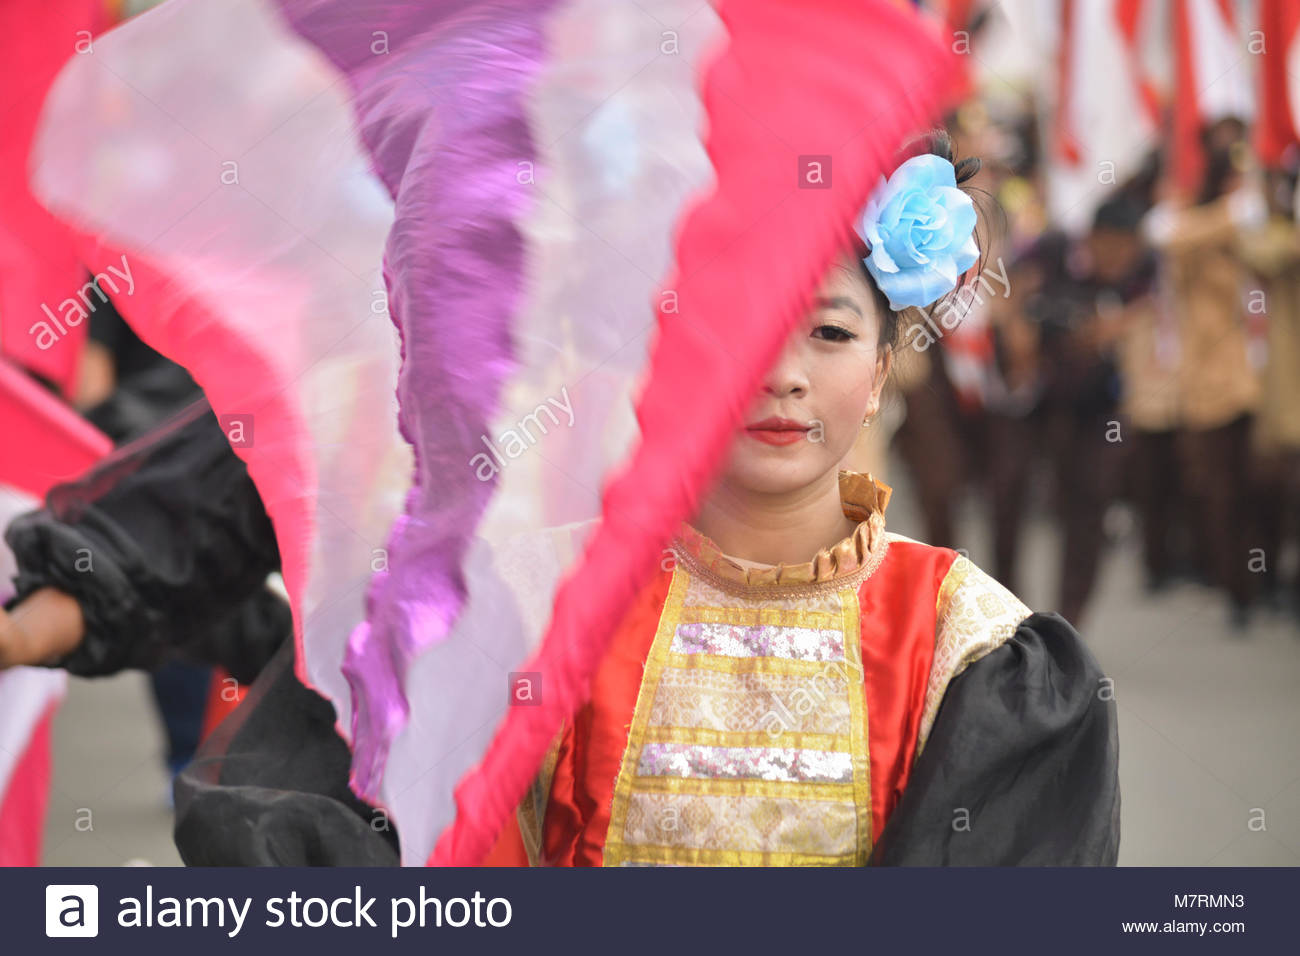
748, 763
763, 640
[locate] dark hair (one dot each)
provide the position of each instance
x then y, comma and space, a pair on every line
1119, 213
1217, 139
939, 143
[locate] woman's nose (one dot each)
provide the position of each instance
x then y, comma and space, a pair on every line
786, 377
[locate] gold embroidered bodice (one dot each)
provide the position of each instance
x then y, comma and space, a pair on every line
748, 744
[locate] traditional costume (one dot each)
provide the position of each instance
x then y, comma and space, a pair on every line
886, 701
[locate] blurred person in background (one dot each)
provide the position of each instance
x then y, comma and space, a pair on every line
932, 439
1080, 289
1272, 253
1148, 354
1013, 395
1218, 387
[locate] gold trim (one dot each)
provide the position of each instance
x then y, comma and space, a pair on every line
613, 852
760, 665
800, 790
858, 721
757, 617
976, 615
786, 740
874, 554
958, 571
659, 855
849, 561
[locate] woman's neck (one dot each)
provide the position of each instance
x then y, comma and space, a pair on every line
775, 529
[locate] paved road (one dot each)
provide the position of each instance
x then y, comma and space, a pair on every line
1209, 728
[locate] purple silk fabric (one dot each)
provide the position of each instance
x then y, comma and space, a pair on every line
439, 90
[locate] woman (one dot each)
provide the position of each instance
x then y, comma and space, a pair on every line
797, 686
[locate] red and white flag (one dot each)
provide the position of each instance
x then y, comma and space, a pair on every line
1213, 80
1278, 125
1101, 119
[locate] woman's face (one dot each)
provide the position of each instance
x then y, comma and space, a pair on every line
810, 410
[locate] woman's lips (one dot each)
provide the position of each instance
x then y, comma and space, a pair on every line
778, 431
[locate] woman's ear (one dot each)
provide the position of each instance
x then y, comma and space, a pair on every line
884, 362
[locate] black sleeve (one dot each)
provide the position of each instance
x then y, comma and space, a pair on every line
149, 386
1021, 766
143, 400
269, 787
161, 544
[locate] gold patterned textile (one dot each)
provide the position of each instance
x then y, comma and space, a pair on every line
748, 744
976, 615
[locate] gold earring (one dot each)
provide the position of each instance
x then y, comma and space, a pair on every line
866, 421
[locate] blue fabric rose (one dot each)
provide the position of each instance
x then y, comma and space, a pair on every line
920, 229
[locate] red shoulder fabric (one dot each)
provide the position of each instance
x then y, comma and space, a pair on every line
898, 630
582, 791
591, 748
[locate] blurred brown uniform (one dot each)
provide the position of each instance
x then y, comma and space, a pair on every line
1218, 390
1273, 254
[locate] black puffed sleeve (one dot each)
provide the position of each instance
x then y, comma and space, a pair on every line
1021, 766
269, 787
166, 547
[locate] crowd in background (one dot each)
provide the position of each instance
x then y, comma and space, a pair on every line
1151, 360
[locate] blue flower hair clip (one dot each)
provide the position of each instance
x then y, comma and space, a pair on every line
920, 230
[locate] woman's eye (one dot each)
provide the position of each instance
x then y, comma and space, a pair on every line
833, 333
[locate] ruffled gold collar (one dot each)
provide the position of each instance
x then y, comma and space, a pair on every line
862, 499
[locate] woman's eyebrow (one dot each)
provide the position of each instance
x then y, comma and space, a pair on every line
837, 302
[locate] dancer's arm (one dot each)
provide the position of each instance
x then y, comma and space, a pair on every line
160, 546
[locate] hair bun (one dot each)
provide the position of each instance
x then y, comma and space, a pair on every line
938, 141
967, 168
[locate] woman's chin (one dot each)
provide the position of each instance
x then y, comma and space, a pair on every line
779, 470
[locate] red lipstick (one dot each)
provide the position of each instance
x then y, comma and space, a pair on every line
778, 431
